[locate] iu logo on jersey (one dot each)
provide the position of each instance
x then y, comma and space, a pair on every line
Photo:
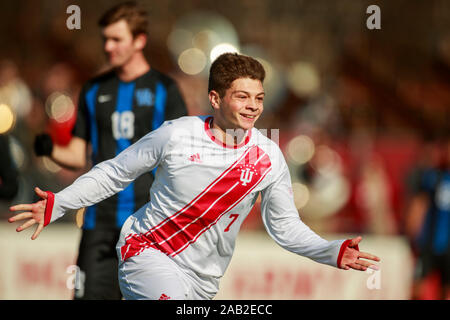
247, 172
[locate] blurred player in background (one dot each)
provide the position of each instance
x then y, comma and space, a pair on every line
428, 225
211, 169
115, 110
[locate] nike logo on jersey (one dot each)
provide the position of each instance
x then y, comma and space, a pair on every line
104, 98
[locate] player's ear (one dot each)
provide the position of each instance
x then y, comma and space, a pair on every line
140, 41
214, 99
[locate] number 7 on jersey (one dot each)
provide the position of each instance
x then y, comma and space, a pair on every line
233, 217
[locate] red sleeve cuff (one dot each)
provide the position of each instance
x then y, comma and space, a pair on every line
341, 251
49, 207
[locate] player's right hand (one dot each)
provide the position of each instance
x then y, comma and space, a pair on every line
34, 213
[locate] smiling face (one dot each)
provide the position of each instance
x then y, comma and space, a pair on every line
241, 105
119, 44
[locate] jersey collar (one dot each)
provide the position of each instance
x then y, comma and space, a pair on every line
208, 125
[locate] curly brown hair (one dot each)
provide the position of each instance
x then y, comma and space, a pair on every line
131, 12
231, 66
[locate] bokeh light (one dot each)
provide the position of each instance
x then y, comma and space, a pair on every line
221, 49
17, 153
179, 40
326, 160
205, 39
201, 31
303, 79
301, 194
7, 118
59, 107
300, 149
192, 61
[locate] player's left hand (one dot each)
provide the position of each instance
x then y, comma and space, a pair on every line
351, 258
34, 213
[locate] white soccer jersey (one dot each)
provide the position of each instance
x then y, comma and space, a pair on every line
202, 193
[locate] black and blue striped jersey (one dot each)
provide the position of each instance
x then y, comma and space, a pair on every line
112, 115
435, 234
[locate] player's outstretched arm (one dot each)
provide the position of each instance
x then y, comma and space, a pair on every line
352, 257
34, 213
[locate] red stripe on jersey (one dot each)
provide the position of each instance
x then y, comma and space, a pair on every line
198, 196
135, 243
231, 207
177, 232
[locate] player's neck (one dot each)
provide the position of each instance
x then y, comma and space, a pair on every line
227, 136
134, 68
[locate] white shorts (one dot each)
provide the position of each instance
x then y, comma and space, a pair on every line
152, 275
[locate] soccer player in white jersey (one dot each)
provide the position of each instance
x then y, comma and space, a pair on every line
210, 173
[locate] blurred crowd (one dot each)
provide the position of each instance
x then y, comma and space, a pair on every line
358, 137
